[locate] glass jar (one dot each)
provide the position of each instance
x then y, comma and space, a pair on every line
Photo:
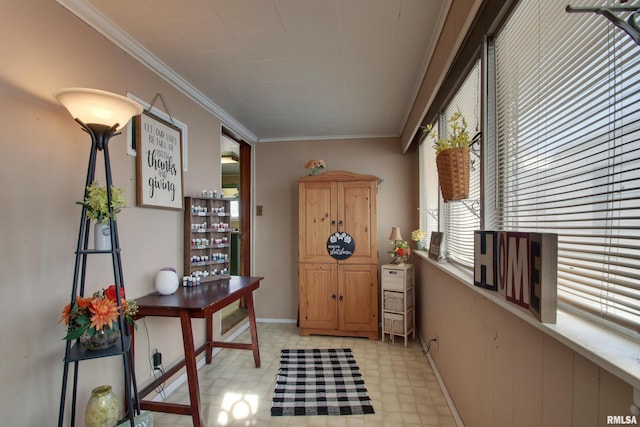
100, 340
102, 408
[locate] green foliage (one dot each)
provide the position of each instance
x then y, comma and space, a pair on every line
78, 323
458, 135
97, 204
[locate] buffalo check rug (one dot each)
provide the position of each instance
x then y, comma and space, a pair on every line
320, 382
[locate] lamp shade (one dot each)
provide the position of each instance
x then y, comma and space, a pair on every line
395, 234
93, 106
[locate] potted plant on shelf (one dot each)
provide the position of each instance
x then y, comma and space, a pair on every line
418, 237
98, 210
95, 320
452, 159
315, 167
399, 252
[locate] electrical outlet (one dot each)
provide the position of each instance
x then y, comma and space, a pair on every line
157, 359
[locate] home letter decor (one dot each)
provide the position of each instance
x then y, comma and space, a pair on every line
486, 259
518, 290
522, 267
502, 263
544, 276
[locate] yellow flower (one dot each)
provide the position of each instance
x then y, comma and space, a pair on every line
458, 134
417, 235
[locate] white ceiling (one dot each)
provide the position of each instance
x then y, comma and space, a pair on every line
283, 69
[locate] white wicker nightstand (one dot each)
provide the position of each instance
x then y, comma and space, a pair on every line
398, 301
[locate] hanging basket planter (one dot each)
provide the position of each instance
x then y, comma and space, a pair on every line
453, 173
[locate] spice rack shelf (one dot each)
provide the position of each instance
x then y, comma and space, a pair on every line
207, 239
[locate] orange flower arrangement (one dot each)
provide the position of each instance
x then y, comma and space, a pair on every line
400, 251
311, 164
315, 166
97, 313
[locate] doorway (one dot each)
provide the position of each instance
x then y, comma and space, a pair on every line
235, 162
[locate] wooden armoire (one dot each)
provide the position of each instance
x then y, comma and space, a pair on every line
338, 290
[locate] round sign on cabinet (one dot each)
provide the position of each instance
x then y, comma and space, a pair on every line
340, 245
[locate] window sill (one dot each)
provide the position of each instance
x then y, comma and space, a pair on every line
608, 349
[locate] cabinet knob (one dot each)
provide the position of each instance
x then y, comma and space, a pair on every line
341, 298
333, 296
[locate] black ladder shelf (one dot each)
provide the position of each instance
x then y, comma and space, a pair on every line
75, 352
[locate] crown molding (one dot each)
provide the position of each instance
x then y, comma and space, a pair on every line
329, 137
91, 16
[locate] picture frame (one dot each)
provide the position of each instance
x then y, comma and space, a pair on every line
184, 129
159, 180
434, 245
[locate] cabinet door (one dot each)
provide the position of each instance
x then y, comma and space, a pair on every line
358, 298
317, 220
357, 216
318, 296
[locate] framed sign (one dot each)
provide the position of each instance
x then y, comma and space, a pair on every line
158, 163
340, 245
434, 246
184, 130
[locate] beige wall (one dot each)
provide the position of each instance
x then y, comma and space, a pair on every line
279, 164
501, 371
44, 161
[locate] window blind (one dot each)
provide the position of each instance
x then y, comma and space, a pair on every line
461, 218
568, 149
429, 188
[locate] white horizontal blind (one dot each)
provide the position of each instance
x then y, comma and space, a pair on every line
461, 218
568, 126
429, 182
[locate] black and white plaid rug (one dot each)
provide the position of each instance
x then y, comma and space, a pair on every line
320, 382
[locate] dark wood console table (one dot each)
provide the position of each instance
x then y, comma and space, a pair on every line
198, 302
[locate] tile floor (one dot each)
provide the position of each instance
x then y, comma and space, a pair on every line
400, 382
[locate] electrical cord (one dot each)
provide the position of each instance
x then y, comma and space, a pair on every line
153, 369
429, 345
160, 388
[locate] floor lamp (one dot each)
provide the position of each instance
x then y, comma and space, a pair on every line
101, 114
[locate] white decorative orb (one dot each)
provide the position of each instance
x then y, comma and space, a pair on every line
166, 281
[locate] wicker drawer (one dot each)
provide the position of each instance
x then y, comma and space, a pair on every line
394, 301
393, 323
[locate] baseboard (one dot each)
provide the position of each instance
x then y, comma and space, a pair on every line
268, 320
445, 392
